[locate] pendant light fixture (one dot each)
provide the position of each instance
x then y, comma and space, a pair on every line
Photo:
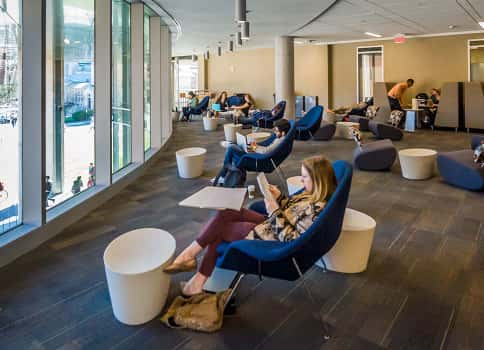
219, 49
194, 58
230, 46
240, 11
238, 38
245, 28
207, 54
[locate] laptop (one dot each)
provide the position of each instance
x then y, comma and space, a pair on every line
242, 142
216, 107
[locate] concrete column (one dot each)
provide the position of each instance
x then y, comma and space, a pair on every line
284, 73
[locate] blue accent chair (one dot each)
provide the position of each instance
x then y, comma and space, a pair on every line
309, 124
201, 107
290, 260
458, 168
267, 119
268, 162
235, 101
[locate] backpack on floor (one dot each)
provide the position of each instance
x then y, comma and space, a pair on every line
234, 177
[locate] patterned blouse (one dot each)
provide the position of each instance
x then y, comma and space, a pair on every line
294, 216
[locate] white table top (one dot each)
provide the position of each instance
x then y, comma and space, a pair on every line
258, 136
191, 151
139, 251
417, 152
348, 124
355, 220
212, 197
232, 125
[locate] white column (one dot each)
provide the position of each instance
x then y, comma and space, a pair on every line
165, 83
284, 73
33, 113
102, 92
137, 84
155, 65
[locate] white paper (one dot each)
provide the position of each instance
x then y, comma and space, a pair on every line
212, 197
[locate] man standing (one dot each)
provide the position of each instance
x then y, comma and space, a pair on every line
396, 93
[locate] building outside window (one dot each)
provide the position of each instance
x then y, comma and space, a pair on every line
147, 77
70, 166
121, 85
186, 79
10, 115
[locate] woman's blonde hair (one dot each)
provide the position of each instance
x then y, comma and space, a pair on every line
322, 174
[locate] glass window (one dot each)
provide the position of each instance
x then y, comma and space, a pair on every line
147, 77
10, 116
476, 60
186, 79
370, 70
70, 167
121, 85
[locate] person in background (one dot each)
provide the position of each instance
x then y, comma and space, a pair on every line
192, 103
396, 93
288, 219
435, 96
242, 111
77, 185
48, 191
221, 100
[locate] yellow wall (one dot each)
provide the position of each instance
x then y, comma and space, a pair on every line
330, 71
429, 61
249, 71
253, 71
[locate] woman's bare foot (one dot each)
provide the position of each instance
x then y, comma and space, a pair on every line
194, 285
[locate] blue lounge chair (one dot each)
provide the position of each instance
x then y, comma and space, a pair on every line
290, 260
268, 162
266, 120
307, 126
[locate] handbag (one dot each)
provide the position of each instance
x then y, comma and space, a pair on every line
201, 312
233, 176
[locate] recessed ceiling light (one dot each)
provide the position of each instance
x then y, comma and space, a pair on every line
373, 35
451, 26
481, 23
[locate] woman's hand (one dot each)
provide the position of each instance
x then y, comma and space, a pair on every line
275, 191
271, 206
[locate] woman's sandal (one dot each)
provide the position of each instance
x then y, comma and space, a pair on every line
186, 266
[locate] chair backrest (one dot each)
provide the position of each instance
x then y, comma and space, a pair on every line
204, 103
312, 117
235, 101
285, 147
281, 106
325, 231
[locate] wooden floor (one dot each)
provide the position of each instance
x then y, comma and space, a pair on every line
423, 289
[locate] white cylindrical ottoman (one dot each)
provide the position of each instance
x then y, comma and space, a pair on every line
351, 252
134, 264
343, 129
417, 163
294, 184
210, 124
175, 115
190, 162
230, 130
258, 136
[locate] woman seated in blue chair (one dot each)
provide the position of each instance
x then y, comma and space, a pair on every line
288, 219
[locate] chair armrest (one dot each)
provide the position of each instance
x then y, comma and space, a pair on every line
268, 141
264, 251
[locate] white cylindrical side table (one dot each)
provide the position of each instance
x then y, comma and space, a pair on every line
210, 124
417, 163
230, 130
190, 162
258, 136
351, 252
294, 184
134, 264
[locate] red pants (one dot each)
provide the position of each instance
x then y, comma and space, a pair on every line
226, 225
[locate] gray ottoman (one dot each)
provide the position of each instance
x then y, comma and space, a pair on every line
325, 132
385, 131
374, 156
364, 121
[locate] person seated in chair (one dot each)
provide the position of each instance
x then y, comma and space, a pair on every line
257, 114
238, 112
221, 100
288, 219
431, 110
234, 152
192, 103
